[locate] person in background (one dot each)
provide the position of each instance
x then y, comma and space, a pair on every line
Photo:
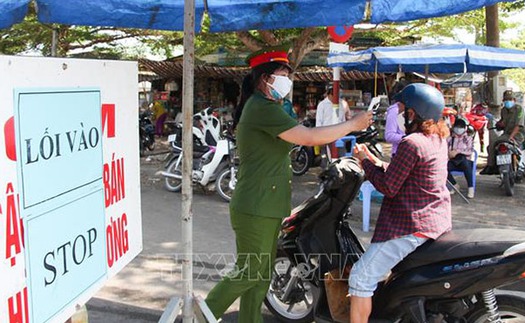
262, 196
460, 148
327, 115
480, 110
173, 105
159, 114
395, 123
416, 206
512, 122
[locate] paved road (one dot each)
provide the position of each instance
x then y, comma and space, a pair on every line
142, 290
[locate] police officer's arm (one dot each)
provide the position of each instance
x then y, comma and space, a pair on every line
302, 135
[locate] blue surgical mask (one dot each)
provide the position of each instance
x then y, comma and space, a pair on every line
508, 104
275, 94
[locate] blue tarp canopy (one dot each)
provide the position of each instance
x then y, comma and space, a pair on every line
225, 15
230, 15
428, 58
406, 10
12, 11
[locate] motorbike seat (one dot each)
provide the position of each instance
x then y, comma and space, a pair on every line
459, 244
199, 150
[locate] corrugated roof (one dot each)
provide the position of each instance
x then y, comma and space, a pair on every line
173, 69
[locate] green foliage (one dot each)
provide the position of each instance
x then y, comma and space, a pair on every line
80, 41
517, 75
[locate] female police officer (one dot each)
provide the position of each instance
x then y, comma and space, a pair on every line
262, 195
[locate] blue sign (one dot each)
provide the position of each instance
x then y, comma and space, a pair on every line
59, 164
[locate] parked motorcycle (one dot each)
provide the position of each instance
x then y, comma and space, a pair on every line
206, 120
208, 161
227, 178
510, 159
448, 280
510, 162
304, 157
146, 133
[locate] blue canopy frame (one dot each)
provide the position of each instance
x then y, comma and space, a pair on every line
455, 58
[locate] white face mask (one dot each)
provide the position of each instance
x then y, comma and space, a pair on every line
281, 86
459, 130
401, 121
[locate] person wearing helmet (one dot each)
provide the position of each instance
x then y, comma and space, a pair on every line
416, 206
262, 196
512, 122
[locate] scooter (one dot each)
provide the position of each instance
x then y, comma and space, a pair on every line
146, 133
452, 279
210, 126
208, 161
227, 178
511, 165
510, 160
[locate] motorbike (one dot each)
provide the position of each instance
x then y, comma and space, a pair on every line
227, 178
211, 154
510, 159
210, 126
510, 162
451, 279
146, 133
304, 157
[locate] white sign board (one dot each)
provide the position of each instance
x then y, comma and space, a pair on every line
69, 182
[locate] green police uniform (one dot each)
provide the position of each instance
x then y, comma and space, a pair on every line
512, 117
262, 197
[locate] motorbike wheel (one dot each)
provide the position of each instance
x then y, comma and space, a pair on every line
225, 184
302, 301
508, 184
507, 179
151, 146
300, 160
170, 183
141, 148
511, 309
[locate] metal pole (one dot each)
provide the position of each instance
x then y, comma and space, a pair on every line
54, 41
187, 149
426, 74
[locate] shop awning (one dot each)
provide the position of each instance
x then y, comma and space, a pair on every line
173, 69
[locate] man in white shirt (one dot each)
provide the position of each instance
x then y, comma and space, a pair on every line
327, 114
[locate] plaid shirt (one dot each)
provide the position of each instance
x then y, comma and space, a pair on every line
414, 184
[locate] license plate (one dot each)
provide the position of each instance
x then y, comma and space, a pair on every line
172, 138
503, 159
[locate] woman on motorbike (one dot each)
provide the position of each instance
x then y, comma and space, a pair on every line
262, 197
416, 206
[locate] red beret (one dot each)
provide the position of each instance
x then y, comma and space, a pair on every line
266, 55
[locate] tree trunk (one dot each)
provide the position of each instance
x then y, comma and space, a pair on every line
492, 29
492, 33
